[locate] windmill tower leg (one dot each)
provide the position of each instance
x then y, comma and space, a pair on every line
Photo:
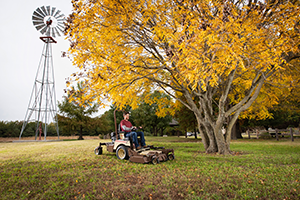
43, 97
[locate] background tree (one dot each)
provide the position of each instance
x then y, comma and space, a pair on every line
76, 110
109, 117
65, 125
145, 115
101, 125
186, 119
12, 129
222, 52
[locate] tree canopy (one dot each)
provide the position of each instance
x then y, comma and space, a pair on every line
223, 52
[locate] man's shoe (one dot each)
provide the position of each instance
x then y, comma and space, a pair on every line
138, 148
145, 146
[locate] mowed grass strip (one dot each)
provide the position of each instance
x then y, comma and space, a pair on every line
259, 169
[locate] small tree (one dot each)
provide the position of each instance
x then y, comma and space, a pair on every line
76, 110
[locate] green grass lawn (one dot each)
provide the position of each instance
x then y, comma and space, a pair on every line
259, 169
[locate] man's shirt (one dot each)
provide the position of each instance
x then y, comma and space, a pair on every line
126, 125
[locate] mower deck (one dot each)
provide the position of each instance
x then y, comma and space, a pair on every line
124, 150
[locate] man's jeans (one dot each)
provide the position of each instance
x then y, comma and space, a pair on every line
134, 138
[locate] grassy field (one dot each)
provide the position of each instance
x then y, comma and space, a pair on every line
259, 169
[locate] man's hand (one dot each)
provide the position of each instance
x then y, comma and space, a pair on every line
135, 128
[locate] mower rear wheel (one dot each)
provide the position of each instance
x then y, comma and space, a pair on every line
122, 153
155, 161
171, 157
98, 151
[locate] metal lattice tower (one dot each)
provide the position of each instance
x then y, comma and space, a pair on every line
42, 103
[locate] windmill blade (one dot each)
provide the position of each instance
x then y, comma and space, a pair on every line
40, 27
37, 22
60, 16
44, 30
57, 12
56, 31
61, 24
44, 9
38, 10
61, 20
48, 10
37, 19
52, 11
37, 15
60, 29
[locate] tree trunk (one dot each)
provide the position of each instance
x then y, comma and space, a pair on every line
162, 132
234, 132
154, 130
213, 138
80, 134
195, 130
222, 144
212, 147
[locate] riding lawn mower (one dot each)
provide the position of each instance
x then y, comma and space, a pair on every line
125, 149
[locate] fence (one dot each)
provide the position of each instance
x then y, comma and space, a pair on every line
275, 133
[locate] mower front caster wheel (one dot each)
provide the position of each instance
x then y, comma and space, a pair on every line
98, 151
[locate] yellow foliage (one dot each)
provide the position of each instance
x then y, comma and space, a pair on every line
131, 47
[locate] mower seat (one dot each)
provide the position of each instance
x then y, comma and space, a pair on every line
120, 131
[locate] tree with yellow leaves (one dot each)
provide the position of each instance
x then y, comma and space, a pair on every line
221, 52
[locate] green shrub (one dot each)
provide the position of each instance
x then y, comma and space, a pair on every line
265, 135
147, 134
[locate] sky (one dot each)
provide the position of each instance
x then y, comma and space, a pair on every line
20, 53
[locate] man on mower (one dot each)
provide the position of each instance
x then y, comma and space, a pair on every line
130, 130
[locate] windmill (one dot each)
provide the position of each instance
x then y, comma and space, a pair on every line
42, 104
